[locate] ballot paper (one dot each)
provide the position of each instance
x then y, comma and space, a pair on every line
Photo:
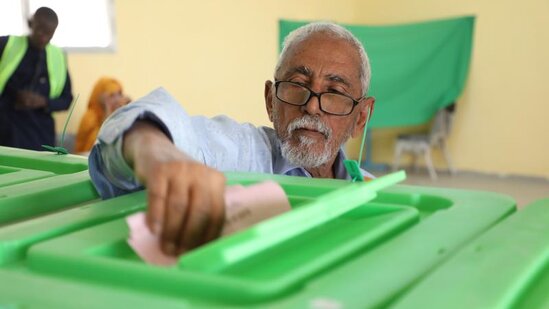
244, 207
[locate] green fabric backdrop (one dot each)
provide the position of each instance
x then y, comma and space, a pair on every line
416, 68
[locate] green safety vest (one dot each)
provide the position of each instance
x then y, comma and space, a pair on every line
55, 60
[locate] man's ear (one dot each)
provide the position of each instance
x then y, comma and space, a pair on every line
371, 101
269, 99
363, 118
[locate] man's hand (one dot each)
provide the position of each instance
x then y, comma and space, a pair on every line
186, 206
29, 100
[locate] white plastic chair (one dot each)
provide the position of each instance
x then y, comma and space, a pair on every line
421, 144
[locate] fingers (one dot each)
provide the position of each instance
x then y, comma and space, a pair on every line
217, 212
157, 187
185, 198
174, 215
186, 205
192, 232
23, 100
205, 210
29, 100
37, 101
19, 105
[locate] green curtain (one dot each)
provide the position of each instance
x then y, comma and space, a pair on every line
417, 68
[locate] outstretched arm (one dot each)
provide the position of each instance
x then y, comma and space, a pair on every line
185, 197
154, 143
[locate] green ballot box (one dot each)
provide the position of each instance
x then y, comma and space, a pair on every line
506, 267
34, 183
343, 245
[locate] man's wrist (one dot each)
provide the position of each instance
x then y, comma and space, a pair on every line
141, 133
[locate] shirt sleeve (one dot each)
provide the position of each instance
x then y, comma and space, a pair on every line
64, 100
219, 142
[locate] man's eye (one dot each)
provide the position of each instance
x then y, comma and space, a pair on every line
332, 90
300, 83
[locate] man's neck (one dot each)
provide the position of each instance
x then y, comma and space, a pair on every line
33, 46
324, 171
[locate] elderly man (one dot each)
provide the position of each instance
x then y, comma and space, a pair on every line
34, 82
316, 103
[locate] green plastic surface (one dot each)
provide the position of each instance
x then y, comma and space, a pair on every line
78, 257
342, 246
507, 267
97, 252
289, 225
35, 183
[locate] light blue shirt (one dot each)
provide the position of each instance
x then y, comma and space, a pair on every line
218, 142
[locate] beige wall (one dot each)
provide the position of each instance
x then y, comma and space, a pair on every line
215, 55
502, 118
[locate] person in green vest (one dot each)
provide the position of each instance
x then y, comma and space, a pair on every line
34, 82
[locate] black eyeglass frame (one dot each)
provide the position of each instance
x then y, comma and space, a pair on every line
317, 95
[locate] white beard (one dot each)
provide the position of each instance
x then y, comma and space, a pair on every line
302, 154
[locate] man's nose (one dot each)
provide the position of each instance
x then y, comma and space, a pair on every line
313, 106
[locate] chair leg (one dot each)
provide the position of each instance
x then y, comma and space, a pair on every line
446, 155
396, 159
429, 163
415, 161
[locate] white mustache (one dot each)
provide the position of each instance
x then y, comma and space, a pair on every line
309, 123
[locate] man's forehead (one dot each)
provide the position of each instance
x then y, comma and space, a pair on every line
324, 48
307, 71
302, 69
44, 21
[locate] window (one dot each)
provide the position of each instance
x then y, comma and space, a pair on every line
84, 25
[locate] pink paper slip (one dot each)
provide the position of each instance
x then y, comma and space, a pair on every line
146, 244
244, 207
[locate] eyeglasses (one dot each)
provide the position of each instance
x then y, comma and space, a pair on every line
329, 102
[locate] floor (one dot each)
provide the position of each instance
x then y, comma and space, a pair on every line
524, 190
